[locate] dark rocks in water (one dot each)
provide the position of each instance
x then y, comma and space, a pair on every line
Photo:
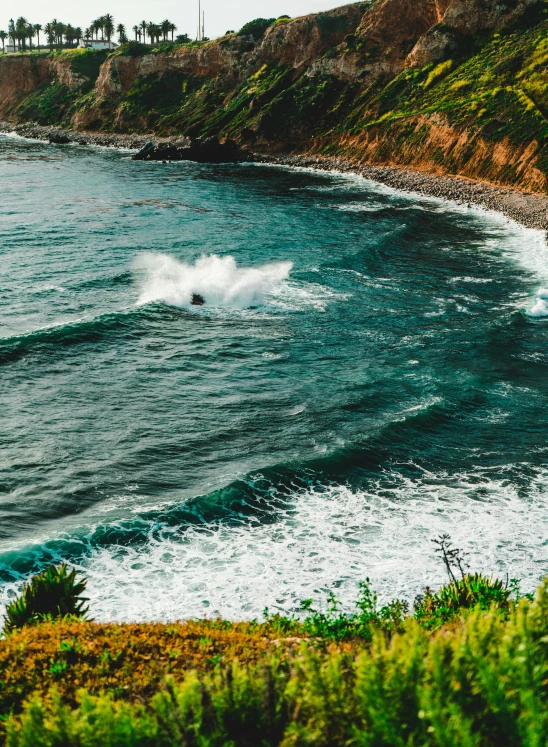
58, 138
201, 151
197, 300
146, 151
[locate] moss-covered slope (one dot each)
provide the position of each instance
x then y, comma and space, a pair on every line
449, 86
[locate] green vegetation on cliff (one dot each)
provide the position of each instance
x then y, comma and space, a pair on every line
329, 84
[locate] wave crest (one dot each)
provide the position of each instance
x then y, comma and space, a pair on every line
218, 280
540, 306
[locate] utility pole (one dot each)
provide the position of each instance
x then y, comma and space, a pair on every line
199, 19
203, 25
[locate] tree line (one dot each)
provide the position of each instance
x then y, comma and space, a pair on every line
21, 33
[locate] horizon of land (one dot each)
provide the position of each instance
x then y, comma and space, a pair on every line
367, 83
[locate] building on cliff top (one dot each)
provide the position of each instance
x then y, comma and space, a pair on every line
97, 44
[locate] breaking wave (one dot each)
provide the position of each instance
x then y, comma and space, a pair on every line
218, 280
252, 545
540, 305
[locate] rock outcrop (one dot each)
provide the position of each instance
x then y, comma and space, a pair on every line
464, 18
200, 151
360, 81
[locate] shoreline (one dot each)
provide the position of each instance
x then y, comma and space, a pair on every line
526, 208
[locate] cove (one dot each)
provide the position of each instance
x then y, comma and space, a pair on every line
367, 371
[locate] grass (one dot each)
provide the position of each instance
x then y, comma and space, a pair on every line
467, 665
480, 681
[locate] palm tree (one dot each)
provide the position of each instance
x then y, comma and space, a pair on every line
165, 27
99, 23
173, 29
136, 31
155, 32
144, 27
37, 28
108, 26
59, 32
55, 30
3, 37
121, 31
21, 31
70, 34
31, 33
49, 31
78, 34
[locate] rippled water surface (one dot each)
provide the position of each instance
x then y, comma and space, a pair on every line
369, 369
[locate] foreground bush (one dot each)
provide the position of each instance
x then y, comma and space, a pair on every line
51, 594
480, 682
467, 666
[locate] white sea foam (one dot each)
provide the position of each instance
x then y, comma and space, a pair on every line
540, 304
219, 280
330, 539
326, 539
16, 136
525, 246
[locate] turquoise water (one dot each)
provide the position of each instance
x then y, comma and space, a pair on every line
369, 369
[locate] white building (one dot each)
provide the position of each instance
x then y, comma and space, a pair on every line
97, 44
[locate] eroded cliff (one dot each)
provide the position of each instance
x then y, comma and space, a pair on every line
448, 86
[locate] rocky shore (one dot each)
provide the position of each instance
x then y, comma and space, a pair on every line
530, 210
65, 137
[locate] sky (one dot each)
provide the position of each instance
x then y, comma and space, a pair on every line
220, 15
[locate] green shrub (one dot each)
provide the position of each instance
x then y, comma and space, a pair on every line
433, 609
438, 72
51, 594
256, 28
479, 684
336, 625
132, 48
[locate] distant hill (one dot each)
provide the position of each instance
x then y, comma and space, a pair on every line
447, 86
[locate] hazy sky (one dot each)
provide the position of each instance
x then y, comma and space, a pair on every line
220, 15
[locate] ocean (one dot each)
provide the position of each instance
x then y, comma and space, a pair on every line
369, 370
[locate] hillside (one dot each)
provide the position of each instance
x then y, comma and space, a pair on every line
445, 86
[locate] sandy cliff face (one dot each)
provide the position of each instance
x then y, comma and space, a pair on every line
304, 40
212, 61
464, 18
358, 81
296, 44
392, 27
444, 149
19, 76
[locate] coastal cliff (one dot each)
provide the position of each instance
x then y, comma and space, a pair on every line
442, 86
